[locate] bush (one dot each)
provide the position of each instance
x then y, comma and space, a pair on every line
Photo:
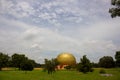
27, 66
102, 71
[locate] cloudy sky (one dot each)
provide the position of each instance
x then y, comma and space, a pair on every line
44, 28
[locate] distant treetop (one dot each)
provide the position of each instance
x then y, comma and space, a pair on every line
115, 11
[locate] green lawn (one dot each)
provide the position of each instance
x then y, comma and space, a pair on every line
58, 75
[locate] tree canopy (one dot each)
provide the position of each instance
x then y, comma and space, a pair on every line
50, 65
84, 65
19, 61
27, 65
115, 11
22, 62
117, 57
4, 58
106, 62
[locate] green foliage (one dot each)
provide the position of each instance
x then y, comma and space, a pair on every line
22, 62
84, 65
4, 59
50, 65
59, 75
106, 62
95, 65
27, 66
102, 71
18, 59
115, 11
117, 57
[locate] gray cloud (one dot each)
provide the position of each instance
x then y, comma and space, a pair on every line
56, 11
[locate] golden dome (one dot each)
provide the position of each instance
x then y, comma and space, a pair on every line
66, 59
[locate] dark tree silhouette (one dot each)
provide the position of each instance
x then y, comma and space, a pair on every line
27, 65
84, 65
115, 11
106, 62
117, 57
4, 59
50, 65
18, 59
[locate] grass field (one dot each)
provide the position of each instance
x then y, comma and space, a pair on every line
59, 75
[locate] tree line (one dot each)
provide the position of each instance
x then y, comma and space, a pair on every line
22, 62
19, 61
85, 65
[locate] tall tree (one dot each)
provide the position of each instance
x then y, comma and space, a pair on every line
50, 65
115, 11
84, 65
3, 60
117, 57
106, 62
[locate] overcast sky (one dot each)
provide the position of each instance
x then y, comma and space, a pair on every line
44, 28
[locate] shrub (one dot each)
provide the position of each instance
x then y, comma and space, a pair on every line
27, 66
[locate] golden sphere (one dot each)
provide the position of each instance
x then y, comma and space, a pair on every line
66, 59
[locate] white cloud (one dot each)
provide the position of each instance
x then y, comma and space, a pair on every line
34, 41
18, 10
52, 11
48, 39
13, 23
51, 41
50, 17
22, 9
106, 29
5, 6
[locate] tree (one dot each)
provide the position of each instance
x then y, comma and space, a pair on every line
27, 65
3, 60
50, 65
32, 62
106, 62
18, 59
115, 11
117, 57
84, 65
95, 65
55, 62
